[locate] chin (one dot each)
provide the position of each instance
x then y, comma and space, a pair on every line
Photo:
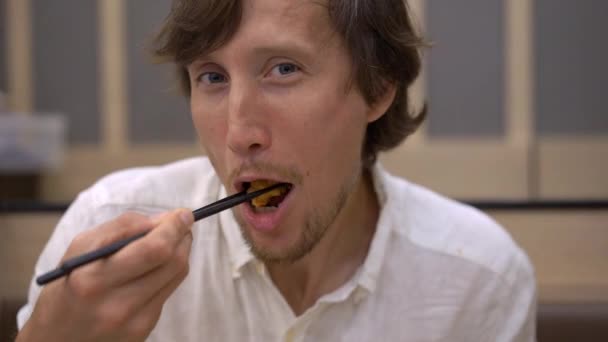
276, 248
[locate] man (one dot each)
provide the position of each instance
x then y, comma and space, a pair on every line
303, 92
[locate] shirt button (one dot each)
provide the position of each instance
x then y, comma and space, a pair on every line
290, 335
359, 295
259, 267
236, 273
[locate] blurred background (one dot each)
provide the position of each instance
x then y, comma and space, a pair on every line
518, 126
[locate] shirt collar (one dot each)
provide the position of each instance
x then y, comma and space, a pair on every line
240, 253
370, 270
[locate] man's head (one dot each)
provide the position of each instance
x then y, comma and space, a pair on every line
303, 91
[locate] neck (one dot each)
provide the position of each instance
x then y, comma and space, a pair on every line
336, 257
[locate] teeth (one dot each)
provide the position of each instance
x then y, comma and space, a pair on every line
264, 209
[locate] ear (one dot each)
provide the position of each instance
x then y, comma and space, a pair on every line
382, 103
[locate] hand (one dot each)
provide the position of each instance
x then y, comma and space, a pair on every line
119, 298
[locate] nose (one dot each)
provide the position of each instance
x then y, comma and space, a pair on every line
248, 131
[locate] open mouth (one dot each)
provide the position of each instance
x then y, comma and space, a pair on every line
268, 201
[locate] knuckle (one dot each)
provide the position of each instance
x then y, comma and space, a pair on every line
112, 318
84, 288
175, 219
182, 257
182, 262
130, 218
158, 250
184, 271
80, 240
140, 327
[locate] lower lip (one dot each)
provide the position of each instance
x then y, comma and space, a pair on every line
266, 222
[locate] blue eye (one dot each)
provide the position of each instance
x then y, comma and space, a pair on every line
286, 68
212, 78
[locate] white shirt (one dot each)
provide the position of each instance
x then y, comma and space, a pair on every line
437, 270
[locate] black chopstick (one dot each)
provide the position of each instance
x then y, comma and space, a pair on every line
71, 264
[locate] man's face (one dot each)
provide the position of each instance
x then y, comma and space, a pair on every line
274, 103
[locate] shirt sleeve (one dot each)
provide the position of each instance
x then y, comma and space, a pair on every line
521, 321
512, 317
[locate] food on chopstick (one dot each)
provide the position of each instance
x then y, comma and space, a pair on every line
269, 199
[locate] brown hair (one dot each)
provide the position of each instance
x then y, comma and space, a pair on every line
380, 37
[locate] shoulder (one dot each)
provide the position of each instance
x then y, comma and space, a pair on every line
450, 228
183, 183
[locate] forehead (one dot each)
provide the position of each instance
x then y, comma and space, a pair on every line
290, 21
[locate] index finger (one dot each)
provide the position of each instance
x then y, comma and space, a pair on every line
173, 226
153, 250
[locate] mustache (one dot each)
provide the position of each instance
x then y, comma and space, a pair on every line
286, 173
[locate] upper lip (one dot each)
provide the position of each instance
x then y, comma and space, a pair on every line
238, 181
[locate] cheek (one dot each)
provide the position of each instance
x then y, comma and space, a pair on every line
338, 130
328, 142
211, 131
